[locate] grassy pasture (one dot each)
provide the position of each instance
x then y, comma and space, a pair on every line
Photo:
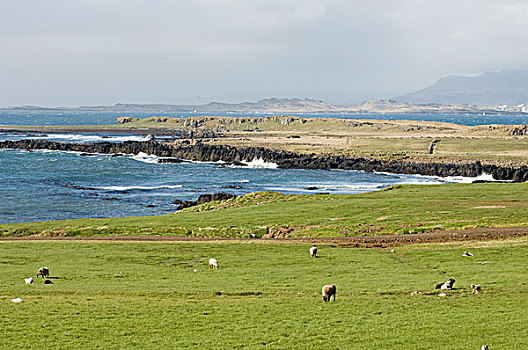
399, 209
265, 295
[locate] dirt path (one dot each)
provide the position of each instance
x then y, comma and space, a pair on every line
383, 241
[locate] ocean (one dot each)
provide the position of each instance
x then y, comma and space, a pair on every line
18, 117
53, 185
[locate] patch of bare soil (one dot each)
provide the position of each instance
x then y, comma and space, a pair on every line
490, 207
381, 241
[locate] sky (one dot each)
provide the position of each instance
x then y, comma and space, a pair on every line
102, 52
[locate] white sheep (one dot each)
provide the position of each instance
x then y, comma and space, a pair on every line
313, 251
476, 288
446, 285
466, 253
29, 280
44, 272
328, 291
213, 263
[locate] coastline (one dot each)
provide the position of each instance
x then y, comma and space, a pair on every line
284, 159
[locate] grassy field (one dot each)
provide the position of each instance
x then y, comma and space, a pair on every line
399, 209
147, 295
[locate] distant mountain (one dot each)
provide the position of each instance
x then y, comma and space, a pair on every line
489, 89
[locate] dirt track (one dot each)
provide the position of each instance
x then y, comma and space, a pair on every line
480, 234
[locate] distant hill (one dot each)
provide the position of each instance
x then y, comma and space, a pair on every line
284, 106
489, 89
271, 105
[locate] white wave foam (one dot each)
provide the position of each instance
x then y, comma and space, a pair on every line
260, 163
465, 180
146, 158
87, 138
52, 151
127, 188
347, 186
288, 189
200, 162
437, 179
244, 181
429, 182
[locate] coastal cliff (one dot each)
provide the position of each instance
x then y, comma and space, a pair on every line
284, 159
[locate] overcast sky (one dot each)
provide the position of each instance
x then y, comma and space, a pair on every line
88, 52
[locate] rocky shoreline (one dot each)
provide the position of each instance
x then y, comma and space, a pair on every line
284, 159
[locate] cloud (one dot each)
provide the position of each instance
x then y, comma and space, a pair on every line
233, 50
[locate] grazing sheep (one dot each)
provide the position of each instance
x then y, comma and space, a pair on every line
328, 291
44, 272
484, 347
476, 288
446, 285
213, 263
466, 253
17, 300
29, 280
313, 251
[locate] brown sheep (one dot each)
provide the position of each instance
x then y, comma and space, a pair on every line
44, 272
328, 291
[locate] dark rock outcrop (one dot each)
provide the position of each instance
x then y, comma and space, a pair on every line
284, 159
170, 160
234, 187
74, 186
204, 198
124, 120
521, 130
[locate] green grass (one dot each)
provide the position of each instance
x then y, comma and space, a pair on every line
399, 209
146, 295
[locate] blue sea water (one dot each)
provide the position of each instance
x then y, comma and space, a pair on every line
18, 117
52, 185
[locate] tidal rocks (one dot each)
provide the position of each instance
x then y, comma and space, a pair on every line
234, 163
170, 160
74, 186
234, 187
